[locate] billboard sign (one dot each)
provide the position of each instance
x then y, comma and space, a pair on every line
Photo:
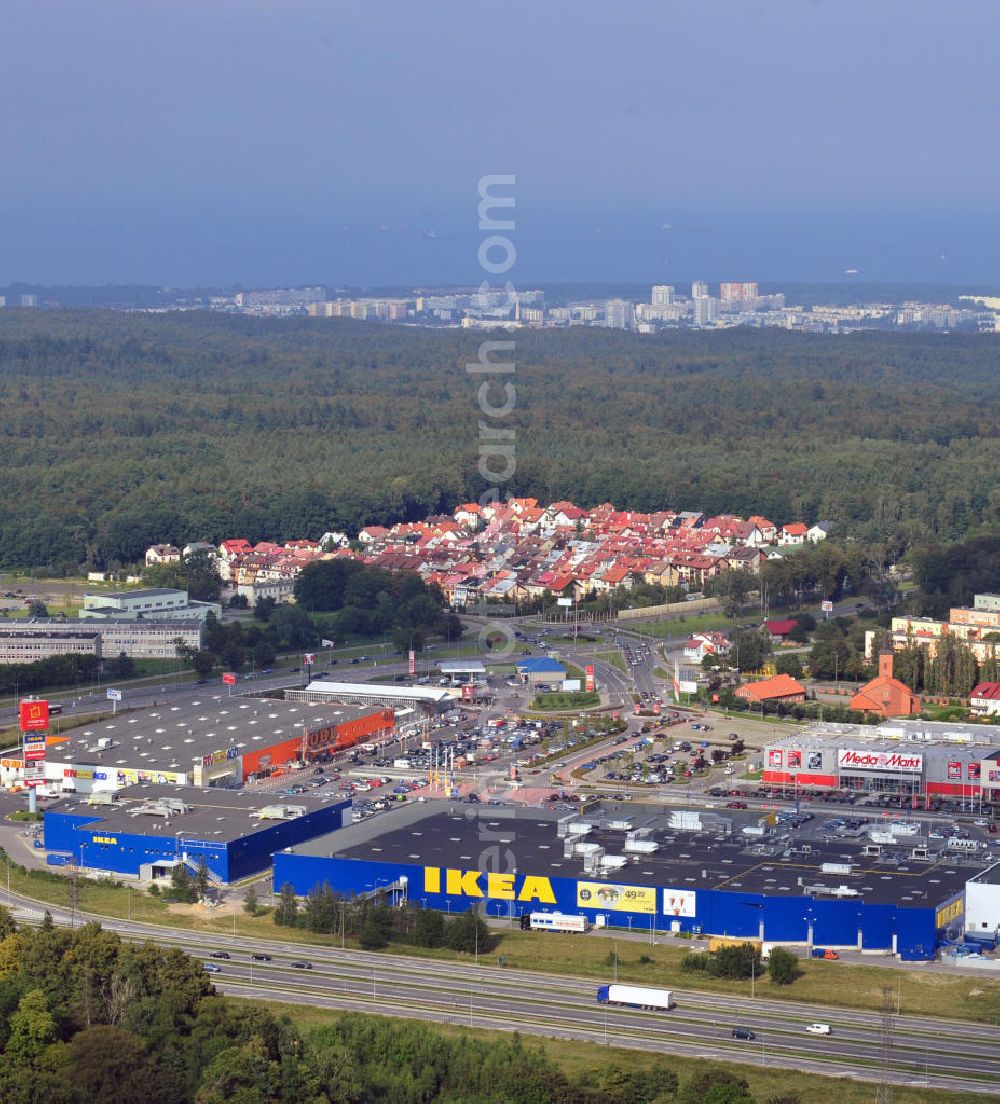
679, 902
688, 686
589, 672
826, 606
954, 769
229, 678
617, 898
309, 659
113, 694
775, 758
896, 761
34, 716
564, 601
795, 758
411, 662
34, 747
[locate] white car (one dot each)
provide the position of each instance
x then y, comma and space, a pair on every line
818, 1029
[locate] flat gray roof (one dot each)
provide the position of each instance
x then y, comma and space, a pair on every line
150, 592
214, 815
450, 834
174, 735
331, 690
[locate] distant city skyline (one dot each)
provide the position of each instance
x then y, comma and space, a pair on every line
245, 142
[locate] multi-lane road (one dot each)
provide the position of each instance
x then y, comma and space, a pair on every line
938, 1054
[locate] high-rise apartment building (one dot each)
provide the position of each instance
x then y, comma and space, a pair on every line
663, 295
618, 314
706, 309
737, 291
699, 289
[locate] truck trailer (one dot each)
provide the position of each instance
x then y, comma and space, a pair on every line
553, 921
636, 996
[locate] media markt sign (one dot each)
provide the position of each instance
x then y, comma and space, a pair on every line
900, 762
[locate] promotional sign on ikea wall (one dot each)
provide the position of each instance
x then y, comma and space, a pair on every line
616, 898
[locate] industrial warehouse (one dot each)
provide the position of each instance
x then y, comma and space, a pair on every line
878, 888
221, 740
920, 759
147, 830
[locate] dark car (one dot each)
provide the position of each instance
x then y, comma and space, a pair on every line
355, 660
260, 957
743, 1033
301, 965
219, 954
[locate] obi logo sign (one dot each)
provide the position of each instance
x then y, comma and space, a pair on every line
496, 887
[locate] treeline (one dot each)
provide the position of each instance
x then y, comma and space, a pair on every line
375, 924
364, 601
86, 1018
952, 575
61, 670
123, 430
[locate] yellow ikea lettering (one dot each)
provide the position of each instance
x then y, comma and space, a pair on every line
537, 889
500, 886
104, 839
432, 879
466, 884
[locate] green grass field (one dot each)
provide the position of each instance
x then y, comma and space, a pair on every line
615, 658
578, 1059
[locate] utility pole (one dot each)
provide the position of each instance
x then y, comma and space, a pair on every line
883, 1093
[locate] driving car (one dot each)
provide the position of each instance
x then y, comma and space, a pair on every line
219, 954
743, 1033
261, 957
818, 1029
301, 965
211, 968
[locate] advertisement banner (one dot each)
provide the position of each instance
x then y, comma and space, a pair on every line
411, 662
34, 716
973, 772
826, 606
795, 758
775, 758
995, 775
954, 770
309, 659
589, 672
679, 902
815, 761
113, 694
229, 678
896, 761
34, 747
617, 898
687, 686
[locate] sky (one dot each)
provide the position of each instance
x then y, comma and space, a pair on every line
267, 142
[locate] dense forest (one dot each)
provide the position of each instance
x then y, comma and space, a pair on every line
124, 429
86, 1018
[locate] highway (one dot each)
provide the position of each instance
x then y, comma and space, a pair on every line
938, 1054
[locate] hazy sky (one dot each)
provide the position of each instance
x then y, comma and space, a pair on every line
268, 141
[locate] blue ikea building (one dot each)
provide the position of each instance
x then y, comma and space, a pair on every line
146, 830
507, 863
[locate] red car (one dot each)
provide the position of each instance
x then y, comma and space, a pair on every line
736, 804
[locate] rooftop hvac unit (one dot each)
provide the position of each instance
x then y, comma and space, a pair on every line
613, 862
592, 861
836, 868
619, 826
641, 847
279, 812
579, 827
